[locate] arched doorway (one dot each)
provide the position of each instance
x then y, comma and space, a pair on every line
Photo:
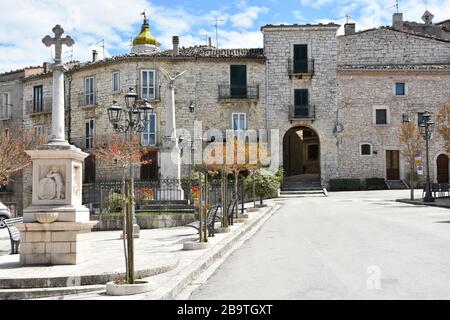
442, 168
301, 153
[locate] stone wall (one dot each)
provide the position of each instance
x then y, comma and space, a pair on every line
359, 94
387, 46
278, 47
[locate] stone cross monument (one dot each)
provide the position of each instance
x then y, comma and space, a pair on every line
170, 152
56, 226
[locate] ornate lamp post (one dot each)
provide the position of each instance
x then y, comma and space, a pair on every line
129, 120
426, 129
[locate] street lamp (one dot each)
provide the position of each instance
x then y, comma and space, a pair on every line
191, 110
129, 120
426, 129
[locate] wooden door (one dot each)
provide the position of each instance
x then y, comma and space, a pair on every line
442, 168
392, 165
238, 81
300, 58
149, 171
89, 169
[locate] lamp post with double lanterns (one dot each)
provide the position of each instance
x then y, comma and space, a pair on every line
129, 120
426, 129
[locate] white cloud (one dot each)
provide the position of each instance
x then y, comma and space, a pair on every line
247, 18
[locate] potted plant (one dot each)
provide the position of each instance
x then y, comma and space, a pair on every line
145, 195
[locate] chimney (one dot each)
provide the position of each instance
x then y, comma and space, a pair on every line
94, 56
209, 42
175, 42
397, 21
46, 68
349, 28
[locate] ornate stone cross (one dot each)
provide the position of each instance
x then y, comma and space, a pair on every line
58, 42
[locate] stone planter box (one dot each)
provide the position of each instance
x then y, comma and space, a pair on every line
106, 223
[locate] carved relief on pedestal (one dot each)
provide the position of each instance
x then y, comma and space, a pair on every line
51, 185
76, 181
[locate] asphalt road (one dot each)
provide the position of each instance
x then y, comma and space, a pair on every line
347, 246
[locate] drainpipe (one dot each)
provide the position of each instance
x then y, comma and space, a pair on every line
69, 107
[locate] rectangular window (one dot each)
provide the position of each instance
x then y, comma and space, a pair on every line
239, 121
238, 81
381, 116
6, 133
38, 100
5, 110
400, 89
366, 149
89, 133
148, 136
420, 117
115, 81
301, 104
38, 132
148, 84
89, 96
300, 58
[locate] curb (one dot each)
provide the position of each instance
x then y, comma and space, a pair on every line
428, 204
173, 287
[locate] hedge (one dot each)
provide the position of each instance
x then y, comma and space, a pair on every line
345, 184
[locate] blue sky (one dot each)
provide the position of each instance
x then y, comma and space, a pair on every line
90, 21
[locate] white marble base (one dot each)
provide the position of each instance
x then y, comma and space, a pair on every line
140, 286
65, 213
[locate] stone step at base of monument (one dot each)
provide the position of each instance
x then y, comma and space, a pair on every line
38, 293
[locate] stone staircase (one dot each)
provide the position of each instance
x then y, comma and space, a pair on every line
303, 184
396, 185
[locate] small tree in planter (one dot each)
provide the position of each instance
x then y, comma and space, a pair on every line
123, 153
410, 137
263, 183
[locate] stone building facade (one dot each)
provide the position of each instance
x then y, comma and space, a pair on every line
336, 101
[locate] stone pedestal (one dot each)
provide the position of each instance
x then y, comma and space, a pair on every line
170, 172
59, 243
57, 183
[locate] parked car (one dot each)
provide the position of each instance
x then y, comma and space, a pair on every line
5, 213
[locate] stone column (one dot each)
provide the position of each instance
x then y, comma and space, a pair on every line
56, 226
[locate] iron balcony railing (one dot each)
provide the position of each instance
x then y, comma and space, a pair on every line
303, 66
250, 92
38, 107
302, 112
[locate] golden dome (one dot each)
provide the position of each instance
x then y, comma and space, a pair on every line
145, 37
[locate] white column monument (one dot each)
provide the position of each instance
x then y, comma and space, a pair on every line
170, 151
56, 226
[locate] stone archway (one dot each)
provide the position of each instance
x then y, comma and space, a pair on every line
301, 153
442, 168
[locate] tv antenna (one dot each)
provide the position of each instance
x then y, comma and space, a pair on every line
216, 25
346, 17
101, 44
69, 53
395, 6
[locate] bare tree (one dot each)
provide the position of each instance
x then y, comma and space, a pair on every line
13, 158
411, 139
443, 124
124, 152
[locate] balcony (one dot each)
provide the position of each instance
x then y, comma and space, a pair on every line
36, 109
299, 112
301, 68
229, 92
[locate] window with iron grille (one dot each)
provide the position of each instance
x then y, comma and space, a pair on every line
366, 149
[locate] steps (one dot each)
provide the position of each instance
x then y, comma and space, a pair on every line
396, 185
301, 185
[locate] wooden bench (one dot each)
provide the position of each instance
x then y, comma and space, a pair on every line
210, 220
14, 234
